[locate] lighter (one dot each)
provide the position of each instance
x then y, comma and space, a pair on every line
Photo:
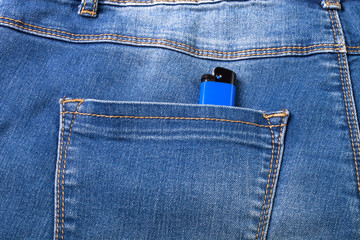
218, 88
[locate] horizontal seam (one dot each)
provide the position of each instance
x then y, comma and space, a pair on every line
353, 47
282, 114
147, 2
159, 43
166, 40
89, 12
171, 118
333, 3
73, 100
353, 51
169, 41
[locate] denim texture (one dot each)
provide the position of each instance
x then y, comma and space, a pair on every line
102, 138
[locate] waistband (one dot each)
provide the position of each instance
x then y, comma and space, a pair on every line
212, 29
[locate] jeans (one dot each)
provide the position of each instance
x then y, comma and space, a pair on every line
102, 136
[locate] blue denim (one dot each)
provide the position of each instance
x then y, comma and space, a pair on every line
102, 138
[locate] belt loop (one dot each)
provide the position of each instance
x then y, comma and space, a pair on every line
331, 4
88, 8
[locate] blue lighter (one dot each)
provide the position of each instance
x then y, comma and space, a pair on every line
218, 88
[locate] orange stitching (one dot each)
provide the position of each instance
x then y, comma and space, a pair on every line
131, 1
171, 118
146, 2
89, 12
332, 3
63, 178
268, 181
267, 116
159, 43
353, 47
338, 28
155, 39
352, 111
83, 7
273, 181
159, 39
59, 170
353, 50
348, 118
73, 100
94, 7
353, 117
332, 24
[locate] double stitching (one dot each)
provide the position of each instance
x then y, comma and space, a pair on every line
92, 12
59, 170
262, 221
353, 117
268, 181
63, 163
264, 210
357, 47
82, 10
169, 43
354, 51
346, 106
172, 118
333, 2
332, 24
157, 1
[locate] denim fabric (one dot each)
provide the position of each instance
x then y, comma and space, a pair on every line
102, 138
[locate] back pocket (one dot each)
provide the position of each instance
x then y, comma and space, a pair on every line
145, 170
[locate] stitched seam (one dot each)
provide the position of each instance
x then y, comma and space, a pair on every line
165, 40
130, 1
150, 39
348, 120
83, 7
63, 177
147, 2
268, 181
338, 28
89, 12
267, 116
353, 50
353, 117
171, 118
58, 174
94, 7
347, 115
354, 47
352, 113
73, 100
332, 24
333, 3
273, 181
176, 47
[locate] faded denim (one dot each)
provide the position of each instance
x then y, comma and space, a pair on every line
102, 138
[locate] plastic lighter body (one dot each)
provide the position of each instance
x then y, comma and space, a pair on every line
217, 93
218, 88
